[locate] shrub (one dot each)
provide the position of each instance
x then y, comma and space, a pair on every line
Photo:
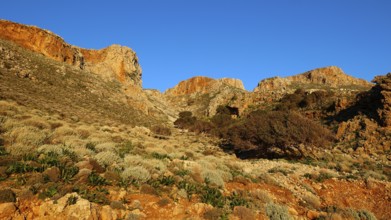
190, 188
7, 195
28, 135
185, 120
167, 180
159, 156
95, 179
49, 148
212, 177
72, 200
19, 149
236, 199
67, 172
213, 197
277, 212
161, 130
132, 160
107, 146
137, 173
19, 167
312, 201
276, 134
49, 192
124, 148
107, 158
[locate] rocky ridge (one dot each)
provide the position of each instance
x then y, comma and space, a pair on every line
331, 76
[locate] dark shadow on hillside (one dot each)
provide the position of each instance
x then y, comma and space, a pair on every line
367, 104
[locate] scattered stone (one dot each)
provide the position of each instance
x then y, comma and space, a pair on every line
136, 204
53, 173
84, 165
293, 211
147, 189
312, 214
82, 176
117, 205
96, 166
107, 213
7, 210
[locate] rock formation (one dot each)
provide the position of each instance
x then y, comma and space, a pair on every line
203, 95
202, 85
331, 76
384, 83
112, 62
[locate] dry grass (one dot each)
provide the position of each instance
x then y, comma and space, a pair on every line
28, 135
137, 173
107, 158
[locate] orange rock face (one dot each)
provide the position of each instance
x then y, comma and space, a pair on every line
201, 84
112, 62
42, 41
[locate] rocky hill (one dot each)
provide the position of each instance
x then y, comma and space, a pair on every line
81, 139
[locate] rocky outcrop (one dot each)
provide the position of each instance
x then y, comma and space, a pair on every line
332, 77
112, 62
384, 84
203, 95
202, 85
115, 60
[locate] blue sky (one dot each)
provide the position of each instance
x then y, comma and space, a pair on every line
249, 40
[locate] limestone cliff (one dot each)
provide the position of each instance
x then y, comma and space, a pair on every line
112, 62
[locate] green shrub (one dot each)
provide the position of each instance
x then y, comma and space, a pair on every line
190, 188
213, 197
95, 179
182, 173
167, 180
160, 156
3, 151
185, 120
72, 200
237, 200
19, 167
49, 192
124, 149
91, 146
276, 134
67, 172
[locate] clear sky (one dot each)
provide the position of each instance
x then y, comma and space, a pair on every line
250, 40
